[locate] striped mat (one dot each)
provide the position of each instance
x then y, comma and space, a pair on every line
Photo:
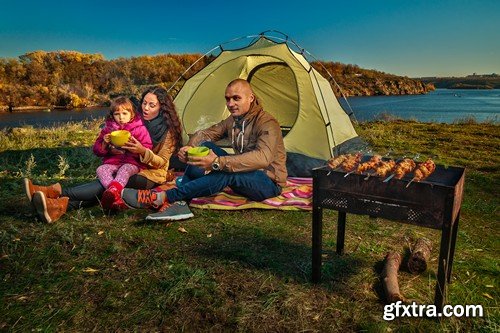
296, 195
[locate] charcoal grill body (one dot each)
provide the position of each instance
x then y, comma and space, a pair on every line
433, 203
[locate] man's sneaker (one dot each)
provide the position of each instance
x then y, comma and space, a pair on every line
140, 198
179, 210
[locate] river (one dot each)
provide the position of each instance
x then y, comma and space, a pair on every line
441, 105
37, 118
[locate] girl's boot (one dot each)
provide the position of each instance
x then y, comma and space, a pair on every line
112, 194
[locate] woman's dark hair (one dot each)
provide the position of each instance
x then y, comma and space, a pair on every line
121, 102
167, 109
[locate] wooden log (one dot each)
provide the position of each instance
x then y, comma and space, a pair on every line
417, 263
390, 277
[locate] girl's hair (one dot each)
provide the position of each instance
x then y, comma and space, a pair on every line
124, 103
167, 109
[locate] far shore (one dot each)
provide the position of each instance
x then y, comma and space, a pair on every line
49, 108
5, 109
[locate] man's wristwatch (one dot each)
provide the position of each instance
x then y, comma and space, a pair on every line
216, 164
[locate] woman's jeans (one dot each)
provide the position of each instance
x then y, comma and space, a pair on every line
89, 194
255, 185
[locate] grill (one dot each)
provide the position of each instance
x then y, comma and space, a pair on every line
432, 203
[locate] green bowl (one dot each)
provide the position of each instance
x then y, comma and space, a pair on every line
119, 138
198, 151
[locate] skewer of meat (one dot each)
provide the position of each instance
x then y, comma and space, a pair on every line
393, 174
423, 171
371, 164
335, 162
403, 167
361, 167
382, 168
385, 167
351, 162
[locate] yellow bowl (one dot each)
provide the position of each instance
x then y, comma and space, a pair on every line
119, 138
198, 151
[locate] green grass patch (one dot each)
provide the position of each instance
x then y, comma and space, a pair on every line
237, 270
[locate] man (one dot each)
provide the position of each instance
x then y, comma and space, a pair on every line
257, 170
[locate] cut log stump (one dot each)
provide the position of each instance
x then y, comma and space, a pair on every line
390, 277
417, 263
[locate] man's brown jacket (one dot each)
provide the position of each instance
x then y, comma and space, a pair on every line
257, 142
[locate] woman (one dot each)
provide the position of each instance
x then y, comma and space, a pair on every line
163, 124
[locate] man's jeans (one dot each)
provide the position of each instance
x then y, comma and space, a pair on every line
255, 185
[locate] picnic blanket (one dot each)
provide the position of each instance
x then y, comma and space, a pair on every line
296, 195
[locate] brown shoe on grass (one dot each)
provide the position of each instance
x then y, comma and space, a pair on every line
51, 191
49, 210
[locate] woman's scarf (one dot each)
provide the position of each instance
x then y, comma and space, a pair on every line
157, 128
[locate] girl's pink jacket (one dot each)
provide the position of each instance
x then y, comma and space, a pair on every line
138, 131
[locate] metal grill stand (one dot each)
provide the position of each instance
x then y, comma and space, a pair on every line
433, 203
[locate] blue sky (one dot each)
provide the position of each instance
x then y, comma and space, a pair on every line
412, 38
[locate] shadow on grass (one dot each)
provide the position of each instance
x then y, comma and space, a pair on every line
256, 249
378, 287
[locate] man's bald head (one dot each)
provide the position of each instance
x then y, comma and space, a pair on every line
244, 84
239, 97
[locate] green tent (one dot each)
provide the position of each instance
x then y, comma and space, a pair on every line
312, 120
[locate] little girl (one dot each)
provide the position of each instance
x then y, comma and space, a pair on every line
118, 164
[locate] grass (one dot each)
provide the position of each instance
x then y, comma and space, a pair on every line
235, 270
